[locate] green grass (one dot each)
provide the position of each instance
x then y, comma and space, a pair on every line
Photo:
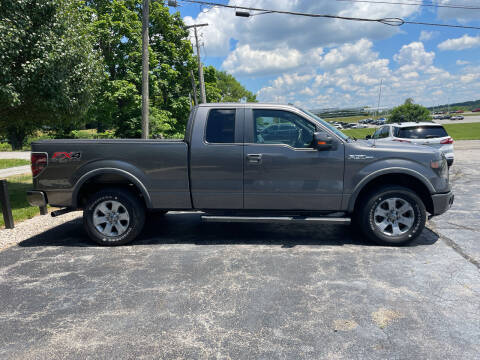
359, 133
348, 119
8, 163
17, 188
467, 131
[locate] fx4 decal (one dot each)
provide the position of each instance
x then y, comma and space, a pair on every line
61, 156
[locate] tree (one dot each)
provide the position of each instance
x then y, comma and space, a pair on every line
48, 67
223, 87
409, 112
232, 90
118, 31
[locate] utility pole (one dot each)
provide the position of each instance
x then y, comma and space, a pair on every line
145, 95
203, 96
194, 87
379, 97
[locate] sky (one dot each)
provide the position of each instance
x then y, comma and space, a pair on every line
327, 63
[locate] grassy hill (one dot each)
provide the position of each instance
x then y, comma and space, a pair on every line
467, 105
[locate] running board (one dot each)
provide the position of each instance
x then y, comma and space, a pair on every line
277, 219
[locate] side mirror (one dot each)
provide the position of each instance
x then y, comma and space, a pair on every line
322, 141
368, 137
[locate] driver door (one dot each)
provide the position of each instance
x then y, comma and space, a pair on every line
282, 169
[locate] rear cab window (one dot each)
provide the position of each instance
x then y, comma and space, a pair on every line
220, 127
420, 132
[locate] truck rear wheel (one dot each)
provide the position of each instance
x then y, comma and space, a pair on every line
392, 215
113, 217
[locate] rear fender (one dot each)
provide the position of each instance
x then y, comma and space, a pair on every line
121, 168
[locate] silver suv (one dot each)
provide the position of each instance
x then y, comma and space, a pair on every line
422, 133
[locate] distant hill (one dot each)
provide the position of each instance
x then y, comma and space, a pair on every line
467, 105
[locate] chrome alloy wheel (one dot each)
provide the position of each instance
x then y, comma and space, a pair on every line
111, 218
394, 216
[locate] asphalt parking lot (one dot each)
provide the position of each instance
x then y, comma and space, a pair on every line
193, 290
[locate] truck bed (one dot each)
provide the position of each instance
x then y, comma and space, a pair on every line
160, 166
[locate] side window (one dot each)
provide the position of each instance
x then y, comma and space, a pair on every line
382, 133
396, 131
282, 127
376, 134
386, 132
220, 126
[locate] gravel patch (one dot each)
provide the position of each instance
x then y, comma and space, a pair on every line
31, 227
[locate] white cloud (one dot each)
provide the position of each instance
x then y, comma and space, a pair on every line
427, 35
357, 84
461, 43
469, 78
245, 60
275, 31
358, 52
462, 62
328, 63
413, 57
459, 14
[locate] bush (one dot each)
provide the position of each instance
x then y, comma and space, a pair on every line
107, 134
409, 112
35, 137
5, 147
84, 134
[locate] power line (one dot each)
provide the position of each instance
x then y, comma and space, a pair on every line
467, 7
385, 21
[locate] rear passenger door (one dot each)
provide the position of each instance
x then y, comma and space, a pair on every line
216, 158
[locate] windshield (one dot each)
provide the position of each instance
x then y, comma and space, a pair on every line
326, 124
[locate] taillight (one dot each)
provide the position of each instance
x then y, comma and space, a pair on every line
448, 140
39, 162
401, 140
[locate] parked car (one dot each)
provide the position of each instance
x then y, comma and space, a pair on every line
476, 110
229, 171
422, 133
458, 117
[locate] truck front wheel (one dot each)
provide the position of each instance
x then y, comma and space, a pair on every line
113, 217
392, 215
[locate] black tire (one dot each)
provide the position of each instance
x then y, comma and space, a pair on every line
135, 210
367, 220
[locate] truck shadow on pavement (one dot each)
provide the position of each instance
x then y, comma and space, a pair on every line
187, 228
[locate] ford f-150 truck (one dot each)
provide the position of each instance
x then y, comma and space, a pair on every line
245, 163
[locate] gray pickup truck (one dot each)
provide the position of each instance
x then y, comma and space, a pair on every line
245, 163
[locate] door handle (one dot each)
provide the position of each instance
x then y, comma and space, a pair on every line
254, 158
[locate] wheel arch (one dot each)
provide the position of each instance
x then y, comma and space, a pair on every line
416, 182
98, 179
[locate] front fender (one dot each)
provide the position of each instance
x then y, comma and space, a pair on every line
358, 176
